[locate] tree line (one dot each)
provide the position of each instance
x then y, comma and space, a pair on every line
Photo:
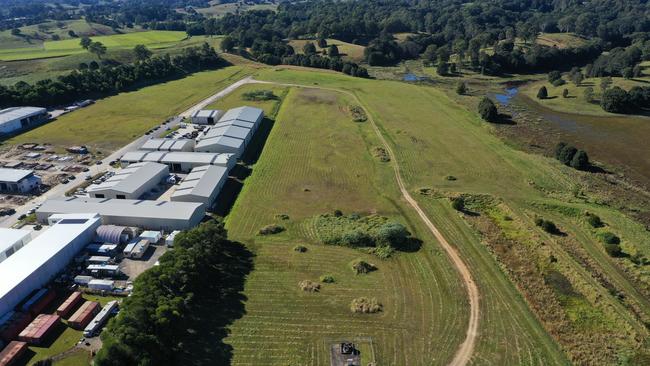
178, 310
97, 81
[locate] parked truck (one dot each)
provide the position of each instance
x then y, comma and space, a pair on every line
100, 319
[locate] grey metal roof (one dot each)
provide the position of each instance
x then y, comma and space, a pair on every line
14, 175
11, 114
235, 122
220, 141
167, 144
178, 157
122, 208
202, 181
131, 178
205, 113
230, 131
250, 114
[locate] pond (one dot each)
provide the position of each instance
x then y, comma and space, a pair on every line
411, 77
504, 99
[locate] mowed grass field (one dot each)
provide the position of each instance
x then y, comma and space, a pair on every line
316, 160
218, 10
115, 121
235, 99
35, 35
151, 39
348, 51
435, 138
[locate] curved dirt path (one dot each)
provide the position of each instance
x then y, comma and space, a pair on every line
466, 349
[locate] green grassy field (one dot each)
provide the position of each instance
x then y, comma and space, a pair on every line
115, 121
235, 99
348, 51
311, 166
151, 39
560, 40
434, 138
218, 10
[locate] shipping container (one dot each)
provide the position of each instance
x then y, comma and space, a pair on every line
39, 328
100, 319
83, 315
12, 353
66, 308
38, 302
13, 324
82, 280
103, 285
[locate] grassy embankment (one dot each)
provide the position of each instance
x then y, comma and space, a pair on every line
435, 138
348, 51
115, 121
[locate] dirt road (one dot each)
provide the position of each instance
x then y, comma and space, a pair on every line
466, 349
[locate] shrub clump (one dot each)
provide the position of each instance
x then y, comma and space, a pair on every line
271, 229
259, 95
365, 305
282, 216
362, 267
570, 156
547, 225
358, 114
594, 220
458, 203
610, 238
300, 248
309, 286
613, 250
488, 110
381, 154
326, 278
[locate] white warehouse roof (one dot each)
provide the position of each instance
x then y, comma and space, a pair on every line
178, 157
164, 144
229, 130
11, 114
9, 237
47, 254
202, 182
249, 114
131, 178
14, 175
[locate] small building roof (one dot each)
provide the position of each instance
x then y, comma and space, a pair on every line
220, 140
249, 114
178, 157
11, 114
206, 113
234, 122
201, 182
14, 175
165, 144
131, 178
9, 237
228, 130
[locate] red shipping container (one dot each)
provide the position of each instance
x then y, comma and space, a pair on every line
41, 304
84, 315
12, 352
69, 304
13, 327
38, 329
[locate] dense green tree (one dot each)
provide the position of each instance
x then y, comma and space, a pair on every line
488, 110
542, 93
565, 93
580, 160
98, 49
458, 204
85, 42
615, 100
333, 51
141, 52
227, 44
309, 49
322, 43
461, 88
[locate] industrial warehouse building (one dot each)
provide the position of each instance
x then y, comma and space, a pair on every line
152, 215
168, 145
131, 182
206, 116
18, 181
202, 185
18, 118
225, 139
247, 114
180, 161
46, 255
11, 240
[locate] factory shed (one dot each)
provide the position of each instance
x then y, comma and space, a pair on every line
248, 114
225, 139
18, 118
39, 328
202, 185
131, 182
11, 240
180, 161
151, 215
18, 180
206, 116
165, 144
46, 255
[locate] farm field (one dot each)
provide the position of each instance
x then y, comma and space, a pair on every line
348, 51
151, 39
115, 121
312, 166
218, 10
434, 139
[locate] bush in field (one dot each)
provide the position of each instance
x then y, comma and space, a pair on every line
461, 88
547, 225
458, 204
271, 229
594, 220
365, 305
488, 110
613, 250
542, 93
610, 238
570, 156
300, 249
259, 95
558, 82
326, 278
362, 267
309, 286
